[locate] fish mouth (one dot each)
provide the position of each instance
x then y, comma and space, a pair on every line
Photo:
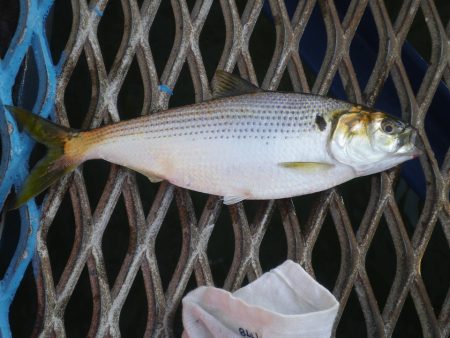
416, 152
412, 147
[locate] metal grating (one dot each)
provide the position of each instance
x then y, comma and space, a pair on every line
355, 240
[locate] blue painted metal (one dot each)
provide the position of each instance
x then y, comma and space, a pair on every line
16, 147
97, 10
166, 89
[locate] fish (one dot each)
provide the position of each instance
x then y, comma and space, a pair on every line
243, 144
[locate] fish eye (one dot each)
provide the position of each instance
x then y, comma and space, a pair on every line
390, 126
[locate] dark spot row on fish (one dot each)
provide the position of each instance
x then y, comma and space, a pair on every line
232, 114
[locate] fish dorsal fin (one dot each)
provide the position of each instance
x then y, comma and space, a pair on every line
307, 166
225, 84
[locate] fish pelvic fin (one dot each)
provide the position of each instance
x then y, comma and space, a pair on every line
60, 158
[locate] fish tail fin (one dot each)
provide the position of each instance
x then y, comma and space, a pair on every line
56, 163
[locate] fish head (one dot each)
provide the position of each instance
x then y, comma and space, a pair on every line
371, 141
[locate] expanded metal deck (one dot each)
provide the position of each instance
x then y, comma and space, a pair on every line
140, 263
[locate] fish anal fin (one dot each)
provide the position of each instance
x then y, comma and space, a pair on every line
225, 84
150, 175
307, 166
227, 200
154, 179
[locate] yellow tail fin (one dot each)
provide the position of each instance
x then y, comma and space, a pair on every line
55, 164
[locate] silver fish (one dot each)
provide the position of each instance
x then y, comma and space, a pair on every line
246, 143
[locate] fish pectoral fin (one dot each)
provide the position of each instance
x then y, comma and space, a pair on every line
227, 200
225, 84
307, 166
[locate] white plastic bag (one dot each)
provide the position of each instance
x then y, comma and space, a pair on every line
284, 302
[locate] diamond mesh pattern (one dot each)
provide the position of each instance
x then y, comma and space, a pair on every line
354, 239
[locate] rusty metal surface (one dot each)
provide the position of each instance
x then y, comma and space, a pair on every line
90, 224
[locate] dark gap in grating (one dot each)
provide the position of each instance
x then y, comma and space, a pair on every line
95, 173
420, 39
115, 240
251, 208
356, 195
199, 201
39, 151
168, 245
245, 282
304, 207
147, 191
326, 255
110, 31
381, 263
313, 44
22, 313
408, 324
190, 4
162, 35
26, 86
78, 314
352, 323
416, 51
388, 99
9, 16
273, 250
235, 71
311, 76
262, 44
133, 317
409, 204
140, 3
9, 239
183, 93
437, 126
341, 90
221, 248
364, 48
393, 9
241, 5
59, 30
435, 269
285, 83
78, 93
443, 9
178, 323
131, 95
60, 237
342, 8
212, 39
